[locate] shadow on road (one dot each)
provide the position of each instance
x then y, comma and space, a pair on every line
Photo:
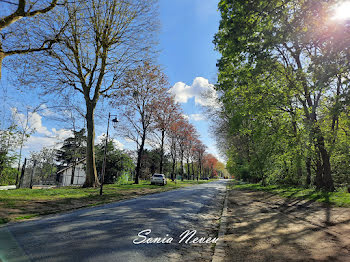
106, 233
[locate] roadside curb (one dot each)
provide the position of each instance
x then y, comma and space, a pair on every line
219, 252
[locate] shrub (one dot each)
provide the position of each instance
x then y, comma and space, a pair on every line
124, 178
8, 176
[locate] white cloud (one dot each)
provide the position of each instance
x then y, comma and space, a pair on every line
100, 138
117, 143
42, 136
213, 150
36, 143
45, 111
197, 117
32, 120
54, 140
62, 134
185, 116
203, 92
36, 122
128, 140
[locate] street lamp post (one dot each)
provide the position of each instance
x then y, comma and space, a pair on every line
115, 121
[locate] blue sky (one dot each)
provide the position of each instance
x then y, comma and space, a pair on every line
188, 28
187, 56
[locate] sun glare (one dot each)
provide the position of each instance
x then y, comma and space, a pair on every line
342, 11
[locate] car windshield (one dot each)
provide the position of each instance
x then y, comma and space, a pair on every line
157, 175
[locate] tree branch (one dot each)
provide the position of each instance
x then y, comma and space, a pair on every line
20, 13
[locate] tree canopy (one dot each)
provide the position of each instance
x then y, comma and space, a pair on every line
283, 76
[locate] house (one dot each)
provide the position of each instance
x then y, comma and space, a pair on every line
64, 176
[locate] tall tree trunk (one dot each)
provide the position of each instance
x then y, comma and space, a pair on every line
188, 169
162, 152
173, 169
318, 177
173, 157
73, 172
2, 56
200, 167
2, 161
91, 173
139, 158
323, 179
299, 156
22, 173
299, 169
323, 170
326, 165
335, 117
308, 171
21, 147
192, 170
182, 166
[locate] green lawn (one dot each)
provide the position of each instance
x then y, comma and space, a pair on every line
22, 204
340, 198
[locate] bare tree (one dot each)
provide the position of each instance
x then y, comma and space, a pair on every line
172, 140
25, 126
102, 40
185, 130
199, 148
167, 112
14, 41
191, 137
141, 90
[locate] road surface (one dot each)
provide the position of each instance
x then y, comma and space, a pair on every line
106, 233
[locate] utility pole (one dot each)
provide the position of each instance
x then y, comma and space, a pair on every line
32, 175
115, 121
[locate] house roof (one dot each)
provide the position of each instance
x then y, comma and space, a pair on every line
71, 165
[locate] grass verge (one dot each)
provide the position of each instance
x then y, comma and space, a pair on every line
20, 204
338, 198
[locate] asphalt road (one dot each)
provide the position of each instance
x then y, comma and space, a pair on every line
106, 233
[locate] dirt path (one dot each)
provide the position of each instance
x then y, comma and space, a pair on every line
265, 227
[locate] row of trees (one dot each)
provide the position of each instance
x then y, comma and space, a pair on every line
120, 163
149, 116
284, 78
100, 50
153, 160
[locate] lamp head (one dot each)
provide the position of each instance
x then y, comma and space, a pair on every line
115, 121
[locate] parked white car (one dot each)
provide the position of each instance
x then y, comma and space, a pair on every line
158, 179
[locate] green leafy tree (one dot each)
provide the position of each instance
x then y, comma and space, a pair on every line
283, 71
117, 162
45, 168
151, 161
9, 141
73, 149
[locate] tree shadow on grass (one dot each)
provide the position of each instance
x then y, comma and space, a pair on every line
290, 229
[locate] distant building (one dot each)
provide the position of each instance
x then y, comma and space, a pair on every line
64, 176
